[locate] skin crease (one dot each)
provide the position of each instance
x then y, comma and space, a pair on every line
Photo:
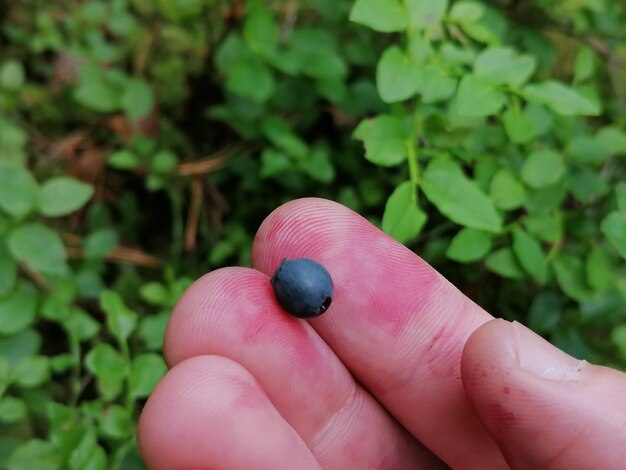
401, 362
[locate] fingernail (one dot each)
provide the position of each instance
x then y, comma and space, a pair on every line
539, 357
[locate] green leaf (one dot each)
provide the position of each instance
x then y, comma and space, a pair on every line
506, 191
274, 163
231, 50
8, 271
62, 195
618, 335
540, 117
501, 65
547, 199
435, 84
530, 255
614, 228
35, 454
61, 363
318, 165
32, 371
154, 293
561, 98
584, 64
121, 321
116, 422
586, 150
545, 312
323, 64
252, 80
620, 195
88, 455
504, 263
315, 54
280, 133
80, 325
469, 245
385, 16
612, 139
333, 90
145, 372
99, 243
152, 329
384, 138
518, 126
124, 160
570, 275
478, 97
97, 95
260, 30
137, 100
15, 348
403, 219
458, 197
104, 361
426, 14
11, 75
543, 168
12, 410
418, 48
466, 12
397, 76
599, 269
164, 162
586, 184
39, 247
18, 190
17, 310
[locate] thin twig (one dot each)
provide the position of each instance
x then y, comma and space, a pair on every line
289, 21
213, 162
121, 254
191, 229
36, 276
614, 75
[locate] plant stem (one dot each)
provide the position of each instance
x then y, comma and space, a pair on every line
120, 453
130, 400
76, 386
413, 166
411, 147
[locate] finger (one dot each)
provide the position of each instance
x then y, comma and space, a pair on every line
544, 408
232, 312
395, 322
209, 412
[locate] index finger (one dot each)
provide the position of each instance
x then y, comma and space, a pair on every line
396, 323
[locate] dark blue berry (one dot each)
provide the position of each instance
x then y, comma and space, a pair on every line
302, 287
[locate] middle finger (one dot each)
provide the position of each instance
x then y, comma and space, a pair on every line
232, 312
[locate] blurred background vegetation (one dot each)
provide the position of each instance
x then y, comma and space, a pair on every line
143, 141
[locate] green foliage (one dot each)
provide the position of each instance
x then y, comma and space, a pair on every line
142, 143
508, 154
458, 197
403, 218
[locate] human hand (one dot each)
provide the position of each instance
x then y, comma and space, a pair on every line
401, 368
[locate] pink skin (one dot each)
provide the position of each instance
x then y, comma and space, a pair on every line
397, 324
387, 372
233, 312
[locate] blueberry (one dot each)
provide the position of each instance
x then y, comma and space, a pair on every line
302, 287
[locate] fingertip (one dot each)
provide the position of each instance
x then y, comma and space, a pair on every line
205, 411
395, 322
544, 408
486, 344
197, 313
280, 234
